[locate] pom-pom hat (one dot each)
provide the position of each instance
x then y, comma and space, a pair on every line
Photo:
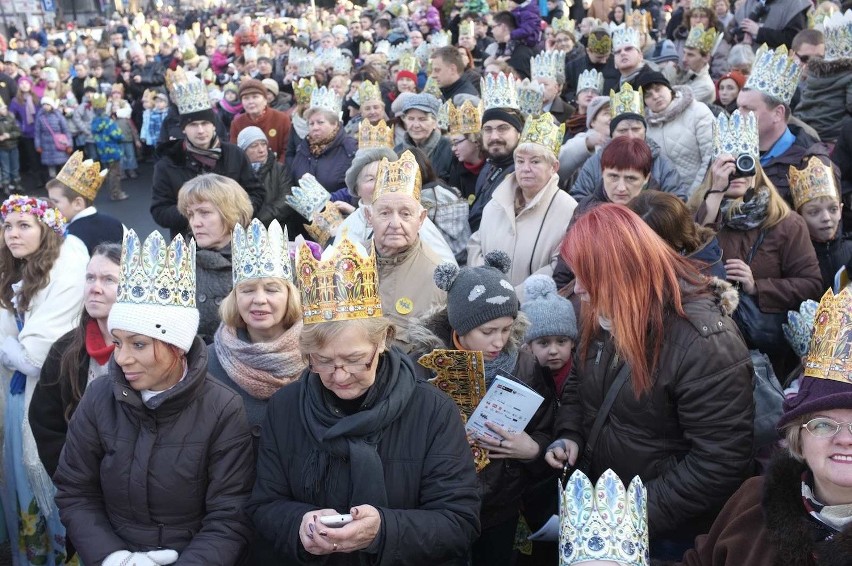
549, 314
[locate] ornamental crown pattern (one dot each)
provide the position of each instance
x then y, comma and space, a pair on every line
736, 135
837, 30
814, 181
775, 73
542, 130
154, 273
828, 355
82, 176
549, 65
499, 92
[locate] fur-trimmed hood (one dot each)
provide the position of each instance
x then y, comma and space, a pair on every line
821, 68
726, 295
681, 100
433, 331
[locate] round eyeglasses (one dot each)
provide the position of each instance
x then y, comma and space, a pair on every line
823, 427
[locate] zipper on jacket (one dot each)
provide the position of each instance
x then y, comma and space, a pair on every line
162, 527
600, 351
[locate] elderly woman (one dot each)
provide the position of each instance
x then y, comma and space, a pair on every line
420, 116
157, 465
574, 153
213, 205
659, 358
799, 512
528, 213
359, 435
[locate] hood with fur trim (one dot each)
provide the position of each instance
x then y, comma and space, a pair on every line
726, 295
821, 68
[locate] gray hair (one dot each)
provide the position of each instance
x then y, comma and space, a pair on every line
741, 57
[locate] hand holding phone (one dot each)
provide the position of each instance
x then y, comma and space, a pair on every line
336, 521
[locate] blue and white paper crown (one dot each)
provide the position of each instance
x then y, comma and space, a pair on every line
154, 273
736, 135
774, 73
590, 79
623, 36
499, 92
309, 197
838, 36
530, 97
189, 92
326, 99
258, 252
549, 65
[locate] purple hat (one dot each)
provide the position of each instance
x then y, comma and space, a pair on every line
816, 394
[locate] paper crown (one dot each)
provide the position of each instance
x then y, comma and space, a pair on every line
464, 119
82, 176
326, 99
307, 67
250, 53
153, 273
549, 65
603, 522
328, 56
542, 130
701, 40
443, 116
838, 36
98, 100
706, 4
189, 92
530, 97
564, 23
369, 91
638, 20
441, 39
814, 181
370, 137
342, 65
297, 55
626, 101
432, 87
599, 46
423, 53
590, 79
828, 356
799, 328
409, 62
365, 48
623, 36
309, 197
499, 92
823, 11
382, 48
342, 285
774, 73
258, 252
304, 89
396, 51
324, 224
466, 29
735, 135
401, 176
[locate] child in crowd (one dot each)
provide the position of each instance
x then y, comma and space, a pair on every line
108, 138
152, 121
52, 136
528, 20
230, 104
10, 167
129, 141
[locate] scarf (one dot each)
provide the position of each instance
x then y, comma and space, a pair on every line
260, 368
739, 215
503, 364
96, 346
30, 110
319, 146
207, 157
474, 168
429, 144
345, 459
300, 125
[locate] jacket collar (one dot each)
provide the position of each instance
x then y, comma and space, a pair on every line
400, 258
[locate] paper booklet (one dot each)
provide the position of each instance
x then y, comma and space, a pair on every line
508, 404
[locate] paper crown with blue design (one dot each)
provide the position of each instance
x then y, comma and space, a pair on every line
735, 135
396, 51
259, 252
828, 354
837, 30
530, 97
549, 65
499, 92
703, 41
814, 181
441, 39
775, 73
156, 289
590, 79
189, 92
325, 98
604, 522
799, 328
329, 56
542, 130
342, 66
623, 36
310, 199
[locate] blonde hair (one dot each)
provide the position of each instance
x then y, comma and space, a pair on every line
229, 198
792, 433
230, 314
316, 336
331, 117
776, 210
536, 150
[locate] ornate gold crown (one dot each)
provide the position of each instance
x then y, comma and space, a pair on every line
156, 274
542, 130
368, 91
590, 79
258, 252
304, 89
499, 92
603, 522
466, 29
563, 24
626, 101
735, 135
828, 356
838, 36
84, 177
98, 100
400, 176
342, 285
814, 181
703, 41
623, 36
409, 62
602, 46
530, 97
638, 20
380, 135
549, 65
326, 99
774, 73
465, 119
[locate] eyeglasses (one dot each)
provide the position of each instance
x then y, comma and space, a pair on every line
822, 427
456, 143
502, 129
330, 367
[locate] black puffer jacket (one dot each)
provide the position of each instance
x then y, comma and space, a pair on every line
175, 473
833, 255
214, 282
277, 182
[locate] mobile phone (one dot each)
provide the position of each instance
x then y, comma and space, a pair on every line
336, 521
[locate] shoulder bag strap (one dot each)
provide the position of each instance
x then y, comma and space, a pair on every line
756, 245
603, 415
46, 125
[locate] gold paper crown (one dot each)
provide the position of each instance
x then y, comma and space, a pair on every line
400, 176
98, 100
304, 89
370, 137
259, 253
499, 92
432, 87
563, 24
735, 135
838, 36
774, 73
466, 29
626, 101
324, 224
602, 46
409, 62
828, 356
153, 273
549, 65
465, 119
542, 130
638, 20
83, 177
369, 91
590, 79
530, 97
342, 285
814, 181
703, 41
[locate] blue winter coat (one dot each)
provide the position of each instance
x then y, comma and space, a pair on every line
44, 122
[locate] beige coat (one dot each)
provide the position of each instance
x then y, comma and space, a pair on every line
532, 237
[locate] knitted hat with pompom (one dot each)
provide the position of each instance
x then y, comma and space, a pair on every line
549, 314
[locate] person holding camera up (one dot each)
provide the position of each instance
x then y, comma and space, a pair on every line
773, 22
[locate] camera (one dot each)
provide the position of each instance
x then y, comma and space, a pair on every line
744, 164
760, 11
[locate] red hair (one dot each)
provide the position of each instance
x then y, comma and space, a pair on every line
627, 153
631, 275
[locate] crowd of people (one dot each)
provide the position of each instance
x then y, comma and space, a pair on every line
638, 213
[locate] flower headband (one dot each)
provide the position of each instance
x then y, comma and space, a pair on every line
39, 208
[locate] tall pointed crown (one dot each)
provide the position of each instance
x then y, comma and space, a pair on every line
382, 48
189, 92
258, 252
604, 522
549, 65
638, 20
432, 87
396, 51
626, 101
380, 135
342, 285
530, 97
297, 54
466, 29
464, 119
326, 99
838, 36
774, 73
590, 79
409, 62
814, 181
324, 224
309, 197
441, 39
82, 176
703, 41
735, 135
828, 356
304, 89
342, 65
400, 176
423, 54
443, 116
369, 91
542, 130
602, 46
564, 23
153, 273
623, 36
499, 92
328, 56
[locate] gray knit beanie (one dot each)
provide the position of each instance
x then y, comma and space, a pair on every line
595, 106
549, 314
364, 157
476, 295
249, 135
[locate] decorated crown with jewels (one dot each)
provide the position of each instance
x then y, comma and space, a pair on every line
330, 55
638, 20
297, 54
309, 197
409, 62
464, 119
342, 285
258, 252
703, 41
814, 181
304, 89
837, 29
82, 176
563, 24
382, 48
549, 65
326, 99
828, 355
774, 73
189, 92
530, 97
499, 92
626, 101
604, 522
466, 29
98, 100
542, 130
599, 46
735, 135
307, 67
154, 273
370, 137
432, 87
324, 224
369, 91
623, 36
590, 79
398, 177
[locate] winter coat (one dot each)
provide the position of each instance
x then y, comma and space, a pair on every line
440, 152
684, 132
833, 255
560, 110
277, 182
702, 86
827, 96
107, 136
274, 124
152, 74
778, 168
44, 123
690, 436
19, 110
463, 178
461, 86
574, 68
81, 121
152, 125
842, 158
128, 130
330, 167
572, 155
213, 281
432, 511
492, 174
173, 473
8, 125
501, 482
176, 166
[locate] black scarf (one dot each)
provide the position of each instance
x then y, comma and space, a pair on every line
346, 446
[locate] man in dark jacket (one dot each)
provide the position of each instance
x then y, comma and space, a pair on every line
447, 70
144, 75
598, 57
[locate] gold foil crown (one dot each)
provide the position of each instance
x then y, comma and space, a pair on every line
466, 29
703, 41
564, 23
98, 100
542, 130
400, 176
814, 181
304, 89
838, 36
409, 62
599, 46
638, 20
465, 119
342, 285
549, 65
626, 101
590, 79
499, 92
828, 356
369, 91
774, 73
736, 135
82, 176
370, 137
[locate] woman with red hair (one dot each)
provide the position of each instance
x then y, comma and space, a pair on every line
658, 343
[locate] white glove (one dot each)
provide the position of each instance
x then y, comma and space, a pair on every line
163, 556
14, 357
152, 558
